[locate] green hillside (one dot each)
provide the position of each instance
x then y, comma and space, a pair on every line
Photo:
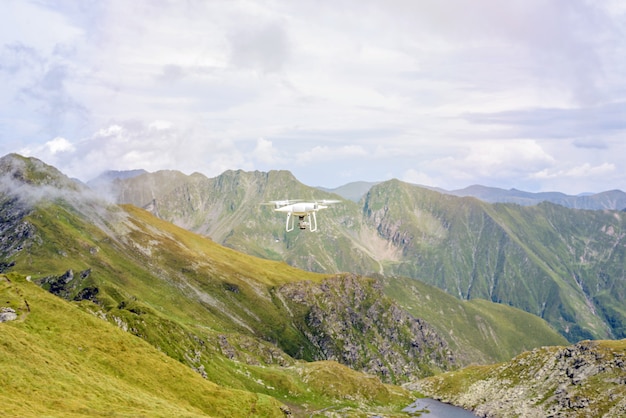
564, 265
230, 210
480, 331
58, 360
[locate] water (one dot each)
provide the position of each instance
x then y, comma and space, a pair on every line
431, 408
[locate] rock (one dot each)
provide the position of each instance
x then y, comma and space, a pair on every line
583, 380
227, 349
351, 321
7, 314
69, 285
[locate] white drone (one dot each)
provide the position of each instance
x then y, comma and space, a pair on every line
305, 211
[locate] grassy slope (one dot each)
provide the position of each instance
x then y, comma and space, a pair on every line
229, 209
479, 330
485, 332
173, 271
57, 360
189, 261
197, 302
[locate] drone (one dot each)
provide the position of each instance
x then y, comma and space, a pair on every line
305, 211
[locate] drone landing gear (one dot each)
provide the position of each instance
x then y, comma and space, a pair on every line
308, 221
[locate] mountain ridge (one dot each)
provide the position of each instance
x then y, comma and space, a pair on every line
546, 259
614, 199
609, 199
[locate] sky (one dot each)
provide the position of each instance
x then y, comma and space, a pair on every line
526, 94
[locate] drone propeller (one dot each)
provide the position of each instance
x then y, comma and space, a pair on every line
327, 201
279, 203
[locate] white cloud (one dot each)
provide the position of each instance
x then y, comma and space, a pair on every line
491, 158
417, 177
583, 171
59, 144
265, 152
112, 130
324, 153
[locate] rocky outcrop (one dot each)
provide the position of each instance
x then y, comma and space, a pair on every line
70, 286
349, 319
7, 314
15, 233
584, 380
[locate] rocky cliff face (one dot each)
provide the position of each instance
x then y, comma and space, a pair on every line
349, 320
584, 380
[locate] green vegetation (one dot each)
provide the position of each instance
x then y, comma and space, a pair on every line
58, 360
547, 260
61, 359
349, 319
479, 331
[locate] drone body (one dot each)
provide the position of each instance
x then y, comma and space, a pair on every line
305, 211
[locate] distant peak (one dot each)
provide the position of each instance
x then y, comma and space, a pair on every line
34, 172
111, 175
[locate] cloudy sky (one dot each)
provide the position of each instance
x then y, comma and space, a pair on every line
528, 94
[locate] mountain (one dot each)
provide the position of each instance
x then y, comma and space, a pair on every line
564, 265
611, 199
583, 380
561, 264
127, 290
103, 184
105, 178
209, 308
352, 191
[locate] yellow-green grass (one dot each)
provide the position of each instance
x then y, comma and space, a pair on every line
164, 312
57, 360
173, 272
192, 246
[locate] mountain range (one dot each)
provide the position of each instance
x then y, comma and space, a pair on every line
611, 199
110, 309
565, 265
